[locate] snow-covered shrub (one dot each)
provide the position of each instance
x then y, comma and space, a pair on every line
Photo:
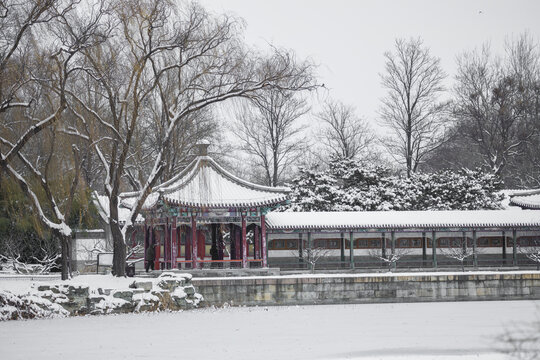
314, 191
356, 186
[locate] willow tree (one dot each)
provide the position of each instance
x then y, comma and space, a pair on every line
38, 60
156, 43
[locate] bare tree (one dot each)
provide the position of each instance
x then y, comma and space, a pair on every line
269, 132
155, 42
493, 104
411, 110
312, 255
523, 54
17, 20
47, 57
147, 139
344, 135
459, 253
390, 259
42, 265
532, 253
496, 114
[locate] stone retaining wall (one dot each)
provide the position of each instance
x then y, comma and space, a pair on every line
361, 288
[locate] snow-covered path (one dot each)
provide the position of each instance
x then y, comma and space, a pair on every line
463, 330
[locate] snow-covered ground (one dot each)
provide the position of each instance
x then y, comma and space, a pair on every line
458, 330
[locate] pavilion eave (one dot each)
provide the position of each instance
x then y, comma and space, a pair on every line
192, 204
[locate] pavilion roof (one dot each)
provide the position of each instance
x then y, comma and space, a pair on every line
528, 202
204, 183
403, 219
527, 199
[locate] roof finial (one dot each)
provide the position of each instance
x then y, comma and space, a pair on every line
202, 147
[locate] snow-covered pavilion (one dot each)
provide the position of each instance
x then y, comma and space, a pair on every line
205, 214
183, 212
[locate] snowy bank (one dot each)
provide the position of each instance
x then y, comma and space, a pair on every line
95, 294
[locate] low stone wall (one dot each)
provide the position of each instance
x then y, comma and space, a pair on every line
363, 288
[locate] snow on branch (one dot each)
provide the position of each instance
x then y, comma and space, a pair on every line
33, 130
459, 253
312, 255
41, 266
532, 253
392, 258
61, 227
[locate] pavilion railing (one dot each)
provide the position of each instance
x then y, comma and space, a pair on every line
219, 264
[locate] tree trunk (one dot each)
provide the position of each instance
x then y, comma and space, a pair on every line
66, 258
275, 169
119, 245
119, 252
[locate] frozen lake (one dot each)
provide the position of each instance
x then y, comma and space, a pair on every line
461, 330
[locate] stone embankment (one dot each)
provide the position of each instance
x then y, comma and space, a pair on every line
368, 288
167, 292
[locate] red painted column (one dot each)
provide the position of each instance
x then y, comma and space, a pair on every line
146, 242
237, 239
158, 248
194, 241
178, 239
256, 247
166, 245
244, 243
263, 242
187, 250
174, 244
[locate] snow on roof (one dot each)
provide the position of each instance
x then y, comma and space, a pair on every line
516, 199
102, 205
204, 183
402, 219
527, 202
520, 192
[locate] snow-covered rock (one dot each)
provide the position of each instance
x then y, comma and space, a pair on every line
170, 291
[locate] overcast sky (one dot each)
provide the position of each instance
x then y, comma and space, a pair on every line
347, 39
